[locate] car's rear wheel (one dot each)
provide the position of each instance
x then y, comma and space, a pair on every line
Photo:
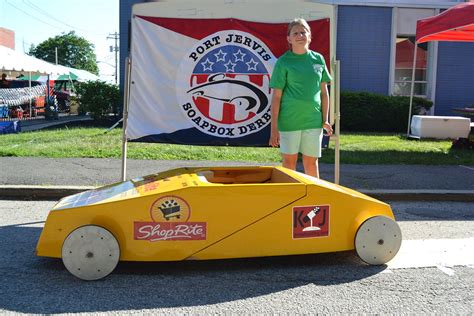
378, 240
90, 252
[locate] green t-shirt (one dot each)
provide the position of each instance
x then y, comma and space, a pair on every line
300, 77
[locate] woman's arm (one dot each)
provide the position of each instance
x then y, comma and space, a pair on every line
274, 135
325, 107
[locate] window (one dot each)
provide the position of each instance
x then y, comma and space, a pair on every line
404, 51
404, 30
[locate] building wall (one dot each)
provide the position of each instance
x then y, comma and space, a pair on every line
7, 38
363, 47
455, 77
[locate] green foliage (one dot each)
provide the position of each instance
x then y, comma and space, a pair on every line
73, 51
99, 98
369, 112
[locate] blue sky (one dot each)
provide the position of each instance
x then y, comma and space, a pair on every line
34, 21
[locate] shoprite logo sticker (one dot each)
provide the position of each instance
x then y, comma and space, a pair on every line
170, 215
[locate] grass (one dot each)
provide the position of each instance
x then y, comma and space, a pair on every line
355, 148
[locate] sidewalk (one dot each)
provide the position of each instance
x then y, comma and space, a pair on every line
49, 178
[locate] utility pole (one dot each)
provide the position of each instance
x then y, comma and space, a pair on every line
115, 36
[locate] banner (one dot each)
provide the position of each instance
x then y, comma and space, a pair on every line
206, 81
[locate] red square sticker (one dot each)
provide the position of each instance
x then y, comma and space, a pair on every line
310, 221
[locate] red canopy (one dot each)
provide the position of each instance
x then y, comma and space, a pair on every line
404, 57
454, 24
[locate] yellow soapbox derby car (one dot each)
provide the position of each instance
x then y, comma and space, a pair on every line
215, 213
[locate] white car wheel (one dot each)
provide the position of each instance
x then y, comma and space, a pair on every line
378, 240
90, 252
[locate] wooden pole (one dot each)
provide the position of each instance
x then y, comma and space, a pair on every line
125, 117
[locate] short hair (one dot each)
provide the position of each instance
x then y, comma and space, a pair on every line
301, 22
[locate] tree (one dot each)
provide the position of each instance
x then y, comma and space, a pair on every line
73, 51
98, 98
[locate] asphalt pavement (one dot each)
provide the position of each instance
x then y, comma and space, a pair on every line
51, 178
436, 281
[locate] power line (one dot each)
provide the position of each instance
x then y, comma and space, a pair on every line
108, 57
106, 63
45, 13
38, 9
34, 17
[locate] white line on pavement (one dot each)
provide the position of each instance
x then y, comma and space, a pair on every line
440, 253
467, 167
446, 270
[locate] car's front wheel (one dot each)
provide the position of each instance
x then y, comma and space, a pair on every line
378, 240
90, 252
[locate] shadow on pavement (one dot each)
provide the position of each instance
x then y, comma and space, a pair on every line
30, 284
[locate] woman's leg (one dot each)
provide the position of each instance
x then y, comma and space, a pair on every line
311, 150
289, 161
289, 144
310, 165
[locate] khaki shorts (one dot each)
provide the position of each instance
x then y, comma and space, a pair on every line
307, 142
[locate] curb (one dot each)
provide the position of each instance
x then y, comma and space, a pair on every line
51, 193
40, 192
421, 195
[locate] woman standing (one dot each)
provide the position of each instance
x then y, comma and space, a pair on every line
300, 102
